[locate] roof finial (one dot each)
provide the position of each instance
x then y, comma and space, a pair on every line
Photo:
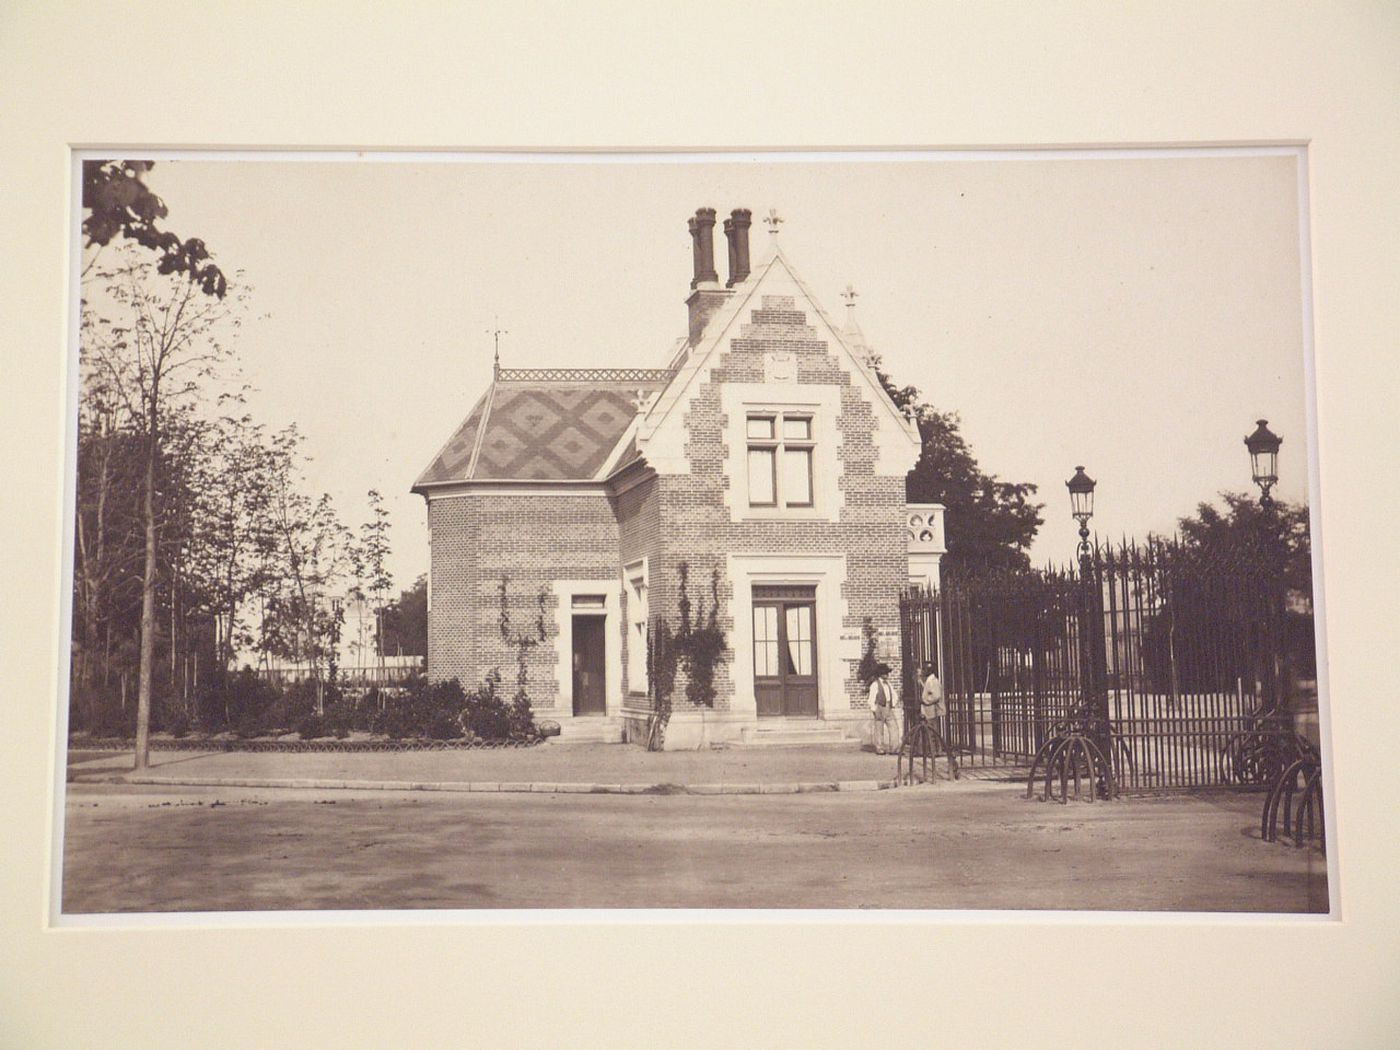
497, 331
854, 337
773, 220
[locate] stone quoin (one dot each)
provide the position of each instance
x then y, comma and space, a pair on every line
761, 447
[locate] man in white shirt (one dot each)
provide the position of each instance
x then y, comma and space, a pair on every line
882, 709
931, 702
932, 711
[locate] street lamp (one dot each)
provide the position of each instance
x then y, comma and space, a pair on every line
1082, 743
1263, 447
1081, 505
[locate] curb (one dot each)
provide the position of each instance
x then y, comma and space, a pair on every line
493, 787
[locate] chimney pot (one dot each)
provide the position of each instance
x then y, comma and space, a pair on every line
706, 296
736, 228
702, 235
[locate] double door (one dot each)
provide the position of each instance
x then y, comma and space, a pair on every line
785, 651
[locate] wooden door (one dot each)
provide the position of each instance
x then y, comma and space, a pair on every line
785, 652
588, 647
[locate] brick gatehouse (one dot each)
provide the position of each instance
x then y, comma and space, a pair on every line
763, 448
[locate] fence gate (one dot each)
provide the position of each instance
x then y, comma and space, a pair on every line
1186, 657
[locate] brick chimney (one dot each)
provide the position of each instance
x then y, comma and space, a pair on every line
736, 229
702, 243
707, 296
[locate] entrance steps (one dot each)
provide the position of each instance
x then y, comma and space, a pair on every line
586, 730
790, 734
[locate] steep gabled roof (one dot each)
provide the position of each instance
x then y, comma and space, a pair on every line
691, 367
551, 424
577, 424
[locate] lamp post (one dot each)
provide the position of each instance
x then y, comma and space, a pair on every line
1095, 699
1263, 447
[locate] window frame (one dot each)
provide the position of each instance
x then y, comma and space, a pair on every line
777, 446
636, 585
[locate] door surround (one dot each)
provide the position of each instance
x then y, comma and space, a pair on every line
564, 593
838, 647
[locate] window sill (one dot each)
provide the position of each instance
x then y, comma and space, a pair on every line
786, 514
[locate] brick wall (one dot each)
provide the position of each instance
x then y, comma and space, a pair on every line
670, 519
531, 540
698, 528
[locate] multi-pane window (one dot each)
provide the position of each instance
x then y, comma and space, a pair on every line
780, 459
799, 639
765, 641
782, 640
636, 578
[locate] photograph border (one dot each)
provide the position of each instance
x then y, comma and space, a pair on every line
437, 78
646, 914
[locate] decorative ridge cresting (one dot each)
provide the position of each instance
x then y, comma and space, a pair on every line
584, 375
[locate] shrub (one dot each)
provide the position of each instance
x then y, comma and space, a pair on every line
253, 723
238, 700
340, 717
426, 710
486, 714
440, 710
444, 711
110, 720
311, 726
179, 724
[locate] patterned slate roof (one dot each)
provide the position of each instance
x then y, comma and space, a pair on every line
561, 426
456, 456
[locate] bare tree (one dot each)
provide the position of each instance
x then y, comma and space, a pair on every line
233, 488
308, 561
370, 555
157, 340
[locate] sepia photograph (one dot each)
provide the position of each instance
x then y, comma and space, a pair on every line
870, 531
767, 525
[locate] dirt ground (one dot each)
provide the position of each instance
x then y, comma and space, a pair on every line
970, 846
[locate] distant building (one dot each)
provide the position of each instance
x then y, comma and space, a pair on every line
764, 449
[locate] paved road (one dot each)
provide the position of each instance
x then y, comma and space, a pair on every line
963, 846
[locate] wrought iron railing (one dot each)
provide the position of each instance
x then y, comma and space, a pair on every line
1176, 664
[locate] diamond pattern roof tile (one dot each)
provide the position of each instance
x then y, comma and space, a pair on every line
550, 429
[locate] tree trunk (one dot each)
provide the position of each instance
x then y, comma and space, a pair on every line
148, 615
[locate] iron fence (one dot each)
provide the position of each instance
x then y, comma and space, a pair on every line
1181, 656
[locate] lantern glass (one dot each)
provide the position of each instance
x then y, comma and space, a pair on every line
1265, 466
1081, 495
1082, 503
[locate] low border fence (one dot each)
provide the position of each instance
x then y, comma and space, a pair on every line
298, 746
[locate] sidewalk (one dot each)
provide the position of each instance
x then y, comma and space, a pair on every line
587, 768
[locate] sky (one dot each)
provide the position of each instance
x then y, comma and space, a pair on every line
1133, 314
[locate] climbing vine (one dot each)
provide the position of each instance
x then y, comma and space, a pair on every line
522, 718
662, 658
869, 657
702, 642
697, 647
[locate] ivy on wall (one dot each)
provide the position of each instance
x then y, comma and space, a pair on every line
698, 648
521, 716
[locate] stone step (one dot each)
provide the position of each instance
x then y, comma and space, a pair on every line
588, 731
792, 736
